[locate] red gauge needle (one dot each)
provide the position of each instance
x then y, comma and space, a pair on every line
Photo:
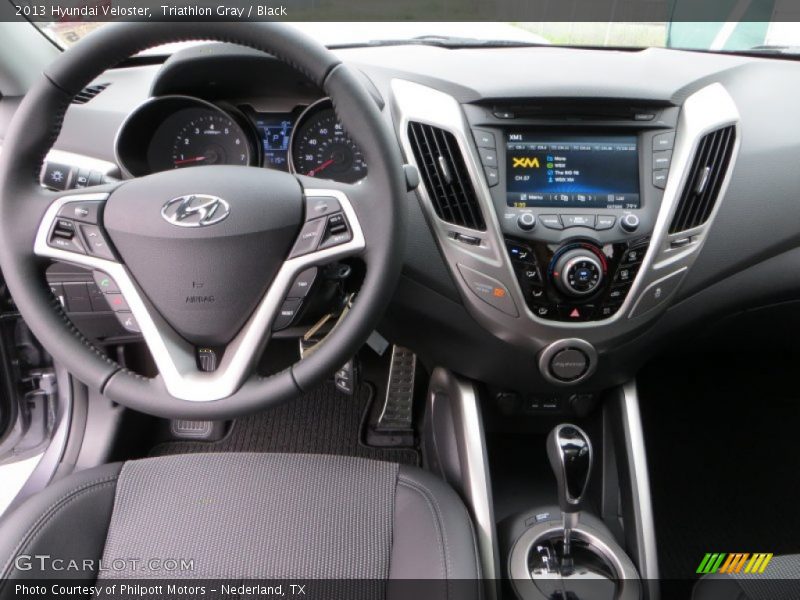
190, 160
323, 166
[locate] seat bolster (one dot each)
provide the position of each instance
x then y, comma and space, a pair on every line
433, 537
718, 587
67, 521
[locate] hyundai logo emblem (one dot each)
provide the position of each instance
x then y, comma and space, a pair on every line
195, 210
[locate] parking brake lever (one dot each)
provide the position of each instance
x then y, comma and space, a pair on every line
569, 451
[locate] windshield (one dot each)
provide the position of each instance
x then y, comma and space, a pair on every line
727, 36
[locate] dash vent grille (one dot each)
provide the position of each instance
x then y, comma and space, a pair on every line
89, 92
445, 176
700, 194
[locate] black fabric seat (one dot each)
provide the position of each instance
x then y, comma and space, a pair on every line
779, 581
247, 516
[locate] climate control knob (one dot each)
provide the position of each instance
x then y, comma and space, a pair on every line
578, 272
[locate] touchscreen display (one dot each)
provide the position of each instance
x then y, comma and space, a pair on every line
572, 171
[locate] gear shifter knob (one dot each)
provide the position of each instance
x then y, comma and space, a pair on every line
570, 453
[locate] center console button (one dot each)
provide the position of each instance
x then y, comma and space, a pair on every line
578, 220
664, 141
633, 256
569, 364
484, 139
661, 159
660, 178
492, 176
488, 157
604, 222
618, 292
656, 293
551, 221
489, 290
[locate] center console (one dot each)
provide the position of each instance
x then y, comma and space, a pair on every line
569, 224
576, 207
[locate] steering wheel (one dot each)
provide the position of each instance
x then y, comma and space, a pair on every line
202, 257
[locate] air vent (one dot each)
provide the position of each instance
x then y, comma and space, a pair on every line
705, 179
88, 93
445, 176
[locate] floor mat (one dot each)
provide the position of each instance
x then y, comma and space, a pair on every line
721, 439
323, 422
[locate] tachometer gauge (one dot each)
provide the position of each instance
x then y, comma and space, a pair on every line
208, 138
320, 147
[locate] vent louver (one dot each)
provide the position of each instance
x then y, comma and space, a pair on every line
445, 176
88, 93
705, 179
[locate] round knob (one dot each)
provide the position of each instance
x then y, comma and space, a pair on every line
578, 272
526, 221
630, 223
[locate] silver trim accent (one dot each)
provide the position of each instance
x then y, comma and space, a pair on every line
207, 210
520, 575
475, 485
297, 122
252, 150
50, 459
640, 483
547, 355
707, 109
174, 357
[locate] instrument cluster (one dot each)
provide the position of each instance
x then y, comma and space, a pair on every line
178, 132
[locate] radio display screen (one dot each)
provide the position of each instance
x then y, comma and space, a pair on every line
572, 171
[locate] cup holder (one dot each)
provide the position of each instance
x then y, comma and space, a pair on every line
600, 570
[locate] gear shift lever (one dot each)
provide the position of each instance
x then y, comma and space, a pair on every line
570, 453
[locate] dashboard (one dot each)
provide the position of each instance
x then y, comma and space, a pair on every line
596, 208
177, 131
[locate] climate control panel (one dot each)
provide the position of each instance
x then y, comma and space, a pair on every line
578, 280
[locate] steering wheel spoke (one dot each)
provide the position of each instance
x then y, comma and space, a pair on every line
72, 231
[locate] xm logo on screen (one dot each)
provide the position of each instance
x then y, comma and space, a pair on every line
525, 162
737, 562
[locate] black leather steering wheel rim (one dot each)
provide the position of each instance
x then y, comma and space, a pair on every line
23, 204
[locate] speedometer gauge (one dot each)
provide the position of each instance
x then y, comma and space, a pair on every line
210, 139
321, 147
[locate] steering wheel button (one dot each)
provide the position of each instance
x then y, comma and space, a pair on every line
117, 303
309, 237
70, 244
321, 207
96, 242
303, 283
287, 313
128, 322
77, 297
105, 283
86, 211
